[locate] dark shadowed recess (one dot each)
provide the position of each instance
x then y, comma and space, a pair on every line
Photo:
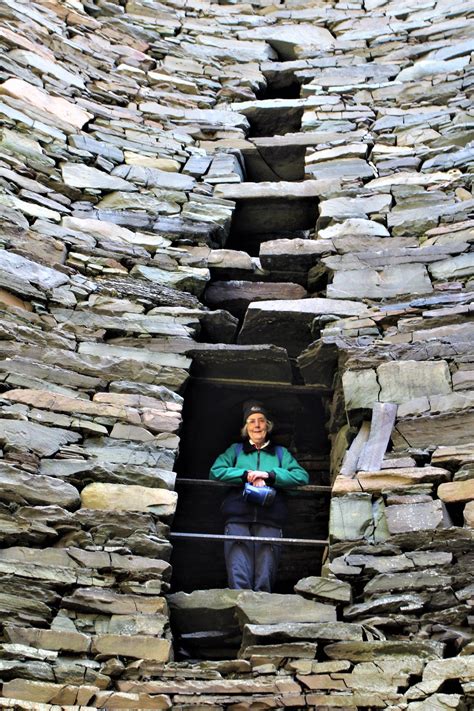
212, 421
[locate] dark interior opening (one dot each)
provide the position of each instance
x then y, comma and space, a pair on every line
212, 422
275, 120
257, 221
281, 91
272, 161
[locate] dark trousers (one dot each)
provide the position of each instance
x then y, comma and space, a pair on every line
252, 566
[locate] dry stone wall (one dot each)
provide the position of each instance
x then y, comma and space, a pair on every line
291, 180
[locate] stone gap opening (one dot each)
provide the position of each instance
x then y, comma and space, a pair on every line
280, 85
274, 117
212, 421
257, 220
275, 159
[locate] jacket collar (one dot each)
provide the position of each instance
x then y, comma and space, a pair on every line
248, 447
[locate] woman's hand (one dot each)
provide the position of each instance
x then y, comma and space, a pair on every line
257, 478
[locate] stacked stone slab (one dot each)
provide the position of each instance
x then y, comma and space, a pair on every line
136, 147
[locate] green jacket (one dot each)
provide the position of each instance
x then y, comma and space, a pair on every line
233, 469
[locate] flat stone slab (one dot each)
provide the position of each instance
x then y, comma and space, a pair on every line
409, 379
427, 516
380, 284
351, 517
266, 608
49, 639
270, 191
346, 208
371, 651
123, 497
44, 441
60, 109
292, 632
385, 479
453, 268
135, 646
354, 227
78, 175
457, 491
30, 271
294, 650
286, 38
434, 431
101, 601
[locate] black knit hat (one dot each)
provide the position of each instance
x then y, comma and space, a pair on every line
252, 406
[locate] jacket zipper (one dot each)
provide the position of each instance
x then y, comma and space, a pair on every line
255, 514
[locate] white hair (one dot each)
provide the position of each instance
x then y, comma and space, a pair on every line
244, 433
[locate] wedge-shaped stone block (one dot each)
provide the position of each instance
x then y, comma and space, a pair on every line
461, 667
330, 589
385, 604
410, 379
355, 227
346, 208
35, 489
123, 497
192, 279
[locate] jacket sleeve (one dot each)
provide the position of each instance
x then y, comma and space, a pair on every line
224, 468
290, 473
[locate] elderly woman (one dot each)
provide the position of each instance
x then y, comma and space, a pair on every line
262, 464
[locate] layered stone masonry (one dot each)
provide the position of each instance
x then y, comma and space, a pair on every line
315, 160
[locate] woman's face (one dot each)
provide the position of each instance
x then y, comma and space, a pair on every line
257, 428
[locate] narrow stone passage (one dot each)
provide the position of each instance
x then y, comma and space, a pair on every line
201, 202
